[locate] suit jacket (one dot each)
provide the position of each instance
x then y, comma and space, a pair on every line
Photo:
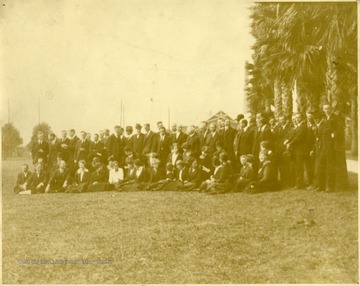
54, 150
129, 142
183, 176
115, 148
21, 178
298, 140
228, 138
264, 134
211, 142
155, 176
36, 179
72, 149
57, 179
179, 140
138, 144
96, 148
226, 174
194, 142
64, 151
85, 179
82, 154
163, 147
281, 134
40, 150
150, 143
203, 135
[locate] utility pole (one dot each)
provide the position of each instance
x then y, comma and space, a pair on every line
169, 117
39, 108
8, 109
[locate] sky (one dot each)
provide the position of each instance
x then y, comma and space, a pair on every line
81, 59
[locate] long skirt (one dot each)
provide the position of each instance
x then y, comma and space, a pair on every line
98, 187
80, 188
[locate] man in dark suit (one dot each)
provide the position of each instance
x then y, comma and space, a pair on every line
64, 143
228, 141
114, 147
178, 137
262, 133
23, 179
40, 148
73, 139
297, 145
96, 149
138, 141
129, 140
203, 133
163, 146
281, 134
38, 180
193, 140
54, 148
212, 138
150, 142
82, 148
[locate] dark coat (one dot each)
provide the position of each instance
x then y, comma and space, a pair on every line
163, 147
181, 139
82, 150
64, 150
150, 143
115, 149
138, 144
194, 142
72, 149
40, 151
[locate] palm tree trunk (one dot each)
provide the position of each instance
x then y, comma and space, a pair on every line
332, 85
301, 98
287, 100
277, 99
354, 124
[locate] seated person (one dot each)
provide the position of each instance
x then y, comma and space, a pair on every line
175, 155
266, 178
116, 175
247, 173
99, 177
38, 180
22, 179
59, 179
187, 155
196, 176
170, 178
215, 177
155, 175
135, 179
205, 160
81, 179
219, 149
265, 148
226, 181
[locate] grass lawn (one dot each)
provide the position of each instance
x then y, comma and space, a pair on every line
170, 237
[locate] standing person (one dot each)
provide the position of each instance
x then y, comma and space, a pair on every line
73, 139
23, 179
150, 143
213, 138
96, 149
129, 140
297, 145
179, 136
281, 134
193, 140
262, 133
228, 141
82, 148
138, 142
203, 133
59, 179
64, 143
220, 126
310, 138
114, 147
40, 148
163, 146
53, 150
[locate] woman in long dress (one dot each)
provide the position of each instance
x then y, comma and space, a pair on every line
81, 179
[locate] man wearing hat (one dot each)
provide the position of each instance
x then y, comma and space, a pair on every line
129, 137
163, 145
138, 141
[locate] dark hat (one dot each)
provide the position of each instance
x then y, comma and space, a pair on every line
239, 117
138, 126
129, 128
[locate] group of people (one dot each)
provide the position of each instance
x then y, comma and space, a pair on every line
262, 154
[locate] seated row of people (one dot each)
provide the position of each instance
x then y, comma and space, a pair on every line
189, 175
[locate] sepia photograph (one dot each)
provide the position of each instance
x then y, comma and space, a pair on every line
179, 142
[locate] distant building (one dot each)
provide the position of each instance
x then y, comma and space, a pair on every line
223, 115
